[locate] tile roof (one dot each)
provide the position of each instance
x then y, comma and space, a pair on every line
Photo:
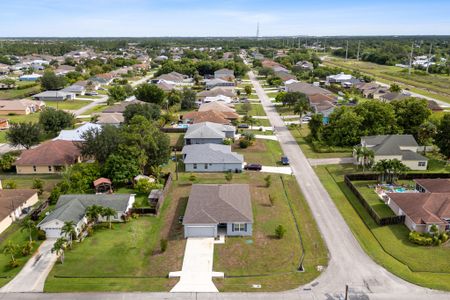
14, 197
438, 185
207, 116
51, 153
219, 203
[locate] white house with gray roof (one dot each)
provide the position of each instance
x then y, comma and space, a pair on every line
216, 208
208, 133
211, 158
402, 147
73, 208
54, 96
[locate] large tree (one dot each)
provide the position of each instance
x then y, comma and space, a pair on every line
150, 111
410, 114
442, 138
149, 93
49, 81
291, 98
316, 126
54, 120
101, 143
24, 134
343, 128
121, 167
188, 99
301, 107
377, 118
116, 93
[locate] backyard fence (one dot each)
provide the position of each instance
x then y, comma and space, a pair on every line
173, 129
165, 191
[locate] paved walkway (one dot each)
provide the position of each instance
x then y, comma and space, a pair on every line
32, 276
266, 137
330, 161
277, 170
196, 273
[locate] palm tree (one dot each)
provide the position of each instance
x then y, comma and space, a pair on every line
156, 171
11, 249
367, 157
108, 212
93, 212
29, 225
301, 107
59, 246
358, 152
382, 168
68, 229
397, 168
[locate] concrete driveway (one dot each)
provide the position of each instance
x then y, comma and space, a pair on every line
196, 273
266, 137
32, 276
277, 170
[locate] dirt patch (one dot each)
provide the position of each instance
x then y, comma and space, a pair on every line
258, 146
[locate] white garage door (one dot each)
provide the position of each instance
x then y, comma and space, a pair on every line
52, 232
200, 231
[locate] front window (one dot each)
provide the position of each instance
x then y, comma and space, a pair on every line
34, 168
195, 166
422, 164
49, 168
206, 166
238, 227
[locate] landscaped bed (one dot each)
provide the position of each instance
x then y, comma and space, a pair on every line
389, 245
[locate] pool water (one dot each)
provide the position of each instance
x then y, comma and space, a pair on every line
400, 190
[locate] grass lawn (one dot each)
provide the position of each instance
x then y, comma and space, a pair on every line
256, 109
34, 118
285, 110
372, 198
388, 245
272, 94
3, 136
264, 152
26, 181
176, 139
19, 94
252, 96
96, 109
68, 104
301, 133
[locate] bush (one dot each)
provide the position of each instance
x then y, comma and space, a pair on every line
420, 239
268, 180
144, 186
243, 143
272, 200
54, 195
26, 249
90, 231
229, 176
163, 245
10, 185
38, 184
13, 264
40, 235
6, 162
280, 231
192, 178
227, 141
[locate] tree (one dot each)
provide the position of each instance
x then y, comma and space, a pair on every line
301, 107
108, 212
7, 162
49, 81
150, 93
395, 88
268, 180
188, 97
30, 226
228, 176
116, 93
291, 98
93, 212
173, 98
54, 195
38, 184
100, 143
24, 134
427, 131
280, 231
68, 230
59, 246
248, 90
316, 126
443, 136
364, 156
53, 120
389, 170
150, 111
121, 167
79, 177
343, 128
378, 118
12, 249
410, 114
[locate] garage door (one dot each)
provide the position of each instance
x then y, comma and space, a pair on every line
52, 232
200, 231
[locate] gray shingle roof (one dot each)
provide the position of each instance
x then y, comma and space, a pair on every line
211, 153
391, 145
207, 130
219, 203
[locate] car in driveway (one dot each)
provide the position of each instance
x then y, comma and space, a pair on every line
91, 93
253, 167
284, 160
243, 126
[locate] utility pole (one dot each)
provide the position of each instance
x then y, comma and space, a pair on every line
429, 57
410, 58
359, 48
346, 52
298, 43
346, 292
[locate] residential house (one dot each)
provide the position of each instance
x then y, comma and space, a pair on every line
208, 133
391, 96
304, 65
343, 79
211, 158
165, 86
73, 208
76, 135
4, 124
54, 96
120, 107
214, 92
322, 104
218, 82
196, 117
306, 88
20, 107
429, 206
88, 85
64, 69
401, 147
174, 78
30, 77
48, 158
213, 209
78, 90
371, 90
14, 203
114, 119
224, 74
103, 79
226, 110
220, 99
434, 106
285, 76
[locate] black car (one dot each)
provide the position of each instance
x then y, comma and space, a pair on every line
284, 160
253, 167
243, 126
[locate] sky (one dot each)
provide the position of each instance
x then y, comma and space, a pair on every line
151, 18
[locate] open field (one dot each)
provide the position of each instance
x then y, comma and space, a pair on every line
388, 245
432, 85
19, 94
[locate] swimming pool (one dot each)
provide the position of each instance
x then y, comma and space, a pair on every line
400, 190
182, 125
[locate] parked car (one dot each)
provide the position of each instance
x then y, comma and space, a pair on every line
91, 93
306, 119
243, 126
284, 160
253, 167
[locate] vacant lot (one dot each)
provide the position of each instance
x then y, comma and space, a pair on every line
388, 245
255, 110
264, 152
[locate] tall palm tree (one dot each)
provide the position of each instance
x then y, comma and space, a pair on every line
29, 225
11, 249
367, 157
68, 229
301, 107
382, 168
108, 212
59, 246
397, 168
357, 151
93, 212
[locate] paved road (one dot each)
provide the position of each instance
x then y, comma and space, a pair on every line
32, 276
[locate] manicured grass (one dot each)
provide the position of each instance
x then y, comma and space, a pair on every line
34, 118
388, 245
252, 96
264, 152
141, 198
26, 181
96, 109
301, 133
372, 198
176, 139
284, 110
256, 109
272, 94
3, 136
19, 94
18, 237
68, 104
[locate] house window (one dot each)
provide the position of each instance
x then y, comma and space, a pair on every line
34, 168
49, 168
239, 227
422, 164
195, 166
206, 166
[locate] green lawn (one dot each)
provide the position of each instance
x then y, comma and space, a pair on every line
96, 109
284, 110
26, 181
272, 94
34, 118
388, 245
68, 104
264, 152
302, 133
176, 139
256, 109
19, 94
372, 198
3, 136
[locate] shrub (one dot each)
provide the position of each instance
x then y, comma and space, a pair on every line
90, 231
163, 245
6, 162
144, 186
10, 185
229, 176
272, 200
192, 178
244, 143
280, 231
54, 195
420, 239
38, 184
268, 180
227, 142
40, 235
13, 264
26, 249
